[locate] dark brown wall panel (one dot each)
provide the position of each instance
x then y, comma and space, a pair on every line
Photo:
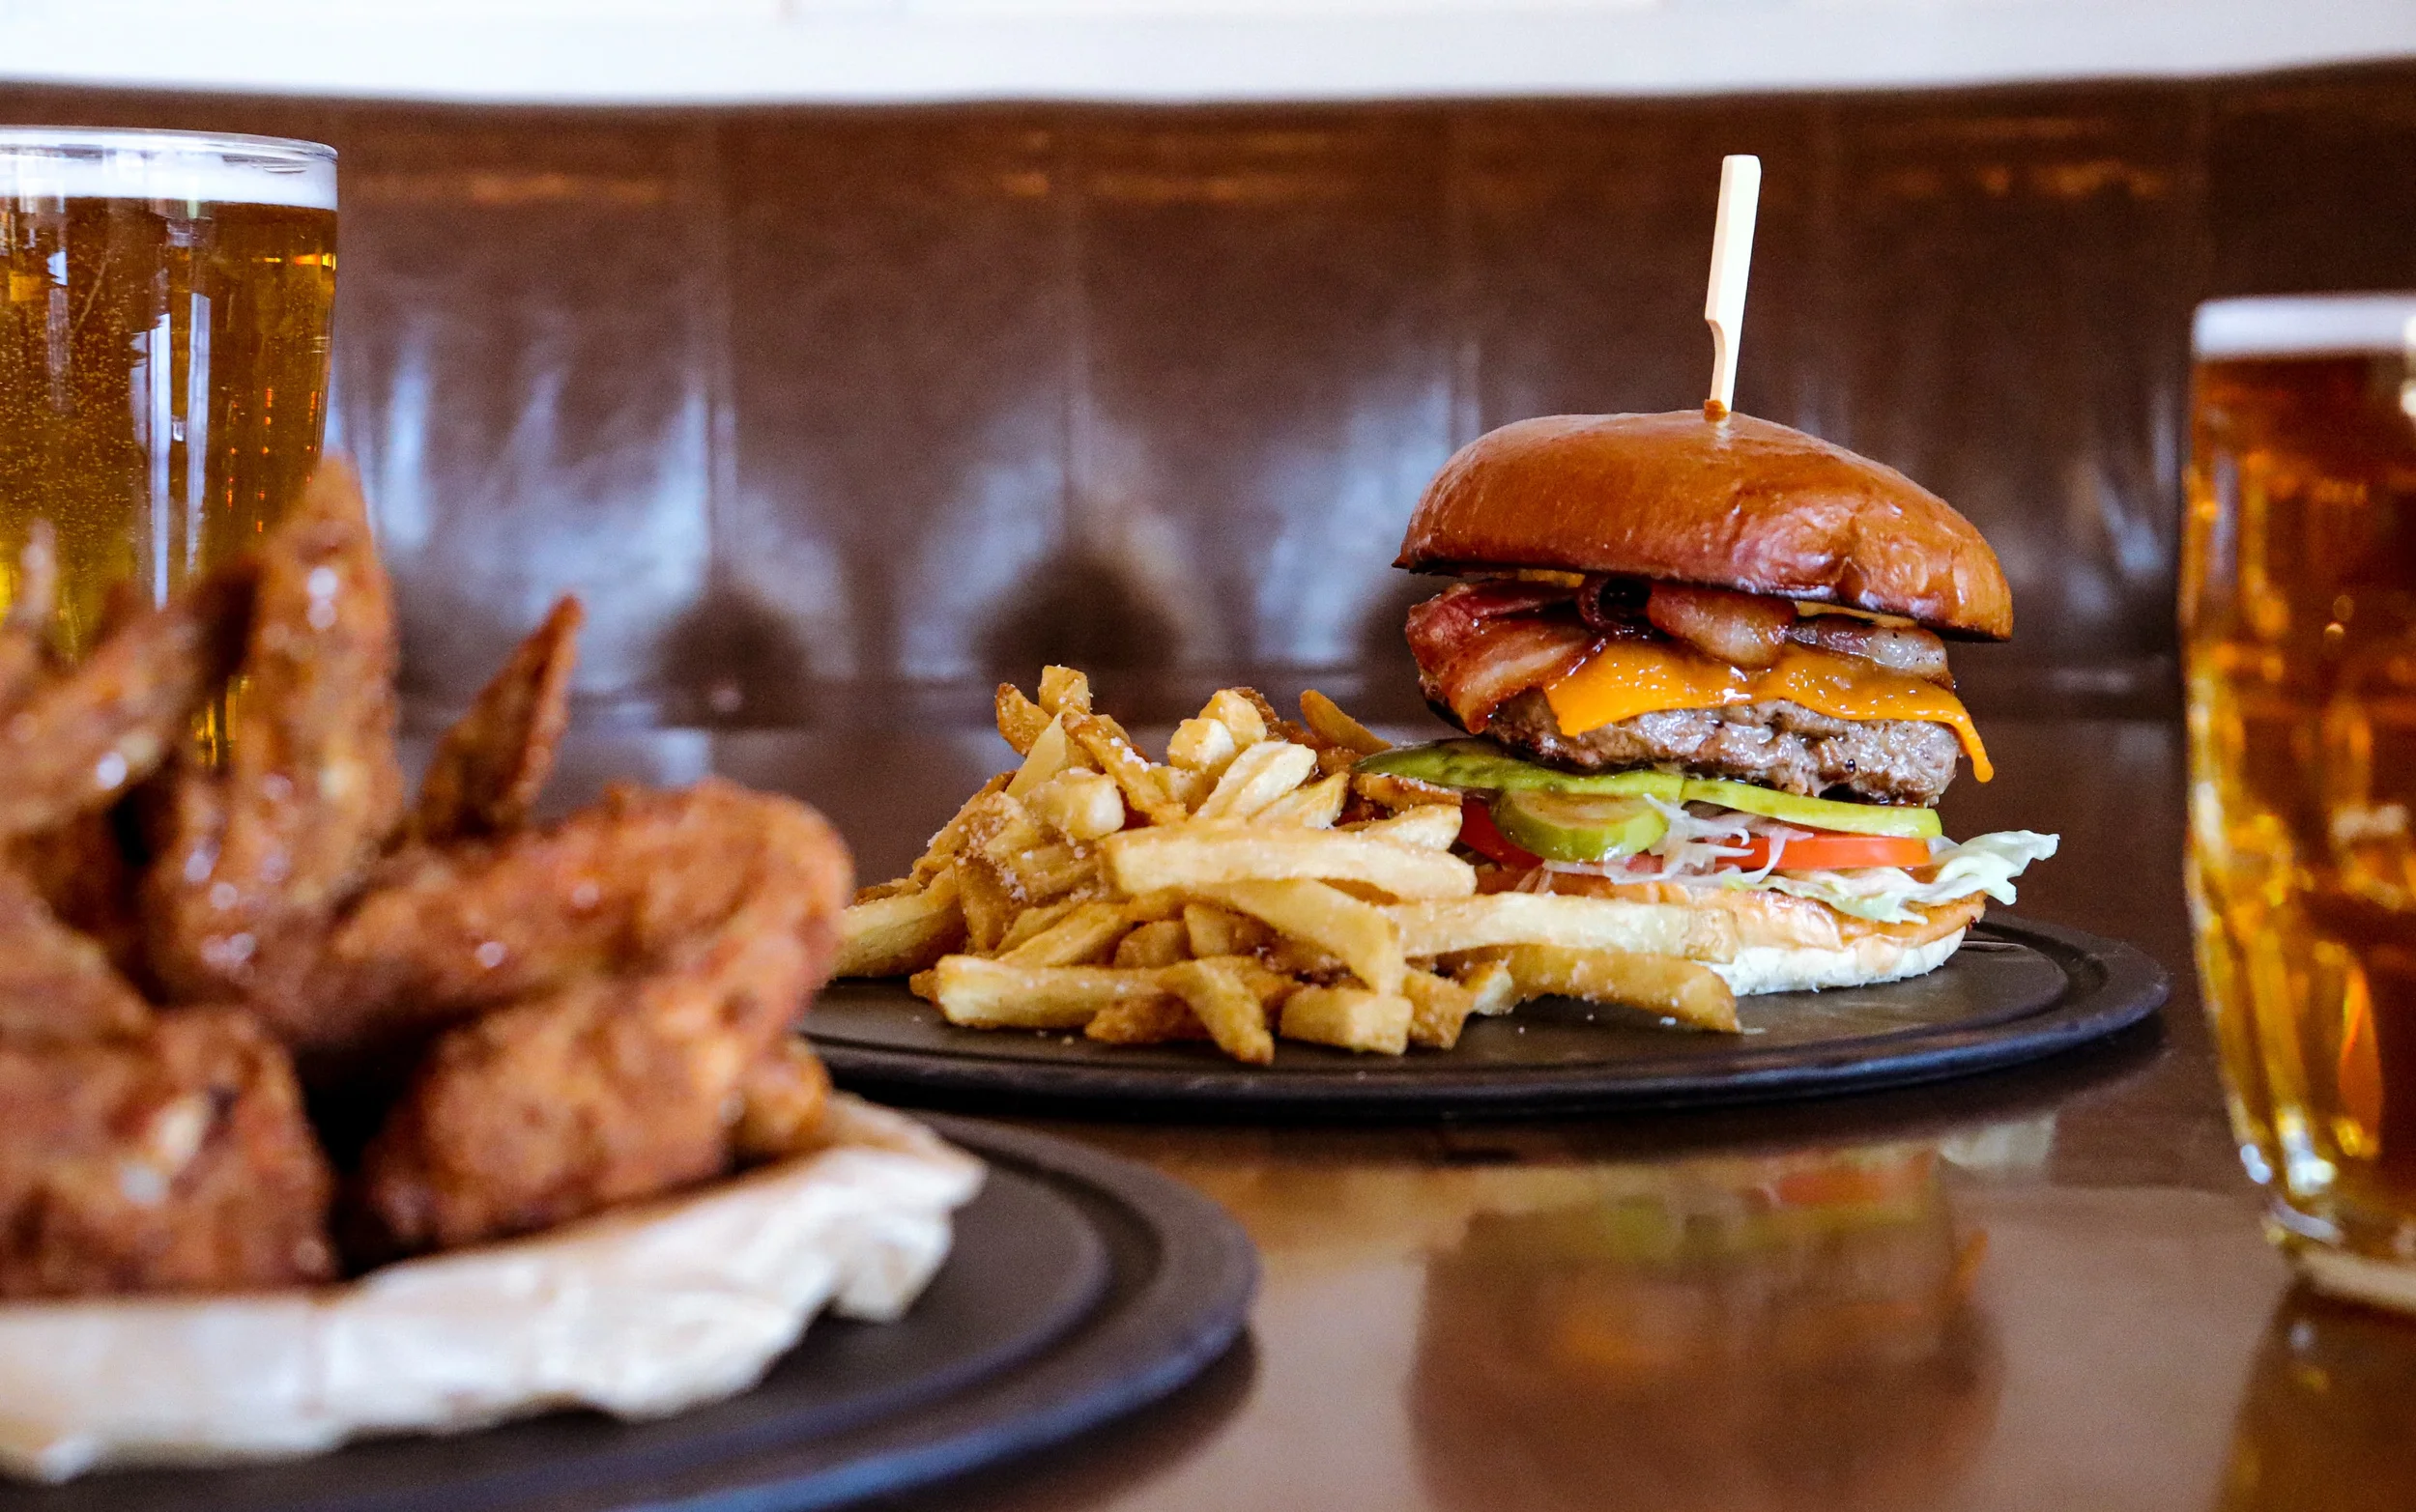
864, 409
527, 356
2007, 306
1264, 359
2311, 183
901, 318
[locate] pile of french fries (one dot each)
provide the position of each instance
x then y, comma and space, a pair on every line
1250, 885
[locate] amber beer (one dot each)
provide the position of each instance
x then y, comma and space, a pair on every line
2298, 614
163, 349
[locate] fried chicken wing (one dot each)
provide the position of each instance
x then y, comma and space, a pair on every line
256, 857
75, 742
55, 983
491, 765
612, 1088
782, 1100
443, 933
176, 1161
84, 871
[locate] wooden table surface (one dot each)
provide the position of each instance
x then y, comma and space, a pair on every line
2039, 1289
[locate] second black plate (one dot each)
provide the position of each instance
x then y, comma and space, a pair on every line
1081, 1287
2017, 990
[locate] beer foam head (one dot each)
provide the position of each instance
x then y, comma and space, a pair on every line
2305, 324
40, 162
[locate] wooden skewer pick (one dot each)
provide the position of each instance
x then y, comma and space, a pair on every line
1731, 259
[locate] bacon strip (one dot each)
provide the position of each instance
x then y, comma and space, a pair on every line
1480, 644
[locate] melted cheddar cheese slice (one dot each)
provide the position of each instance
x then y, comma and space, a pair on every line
1625, 679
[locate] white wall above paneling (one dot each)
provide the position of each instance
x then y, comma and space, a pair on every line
918, 50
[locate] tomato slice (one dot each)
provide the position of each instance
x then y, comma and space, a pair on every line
1825, 850
1479, 834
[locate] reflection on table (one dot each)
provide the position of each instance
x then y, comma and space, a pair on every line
1793, 1330
2324, 1424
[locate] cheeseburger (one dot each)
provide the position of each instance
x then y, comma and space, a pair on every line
1701, 660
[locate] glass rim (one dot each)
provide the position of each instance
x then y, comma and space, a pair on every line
2379, 322
141, 139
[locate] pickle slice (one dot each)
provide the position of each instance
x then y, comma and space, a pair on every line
1480, 765
1817, 814
1469, 762
1560, 826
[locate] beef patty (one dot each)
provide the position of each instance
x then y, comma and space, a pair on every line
1774, 744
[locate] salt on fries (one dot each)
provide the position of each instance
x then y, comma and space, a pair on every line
1251, 885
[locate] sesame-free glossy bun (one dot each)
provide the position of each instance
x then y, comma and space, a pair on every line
1734, 502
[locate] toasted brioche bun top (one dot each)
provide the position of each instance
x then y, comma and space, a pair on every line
1735, 503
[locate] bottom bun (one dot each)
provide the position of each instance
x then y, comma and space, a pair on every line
1802, 968
1762, 941
639, 1312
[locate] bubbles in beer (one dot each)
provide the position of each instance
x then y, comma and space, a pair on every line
163, 354
2299, 635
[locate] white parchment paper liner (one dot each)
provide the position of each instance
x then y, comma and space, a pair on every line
639, 1312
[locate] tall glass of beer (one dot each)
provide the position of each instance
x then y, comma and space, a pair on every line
163, 351
2298, 622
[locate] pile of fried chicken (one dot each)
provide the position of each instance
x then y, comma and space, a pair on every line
264, 1021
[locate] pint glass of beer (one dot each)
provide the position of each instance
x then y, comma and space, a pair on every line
2298, 622
163, 349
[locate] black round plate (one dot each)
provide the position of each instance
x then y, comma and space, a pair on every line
1080, 1286
2017, 990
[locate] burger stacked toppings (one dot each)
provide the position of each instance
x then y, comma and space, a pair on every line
1700, 658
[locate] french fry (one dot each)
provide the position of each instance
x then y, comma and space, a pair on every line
1217, 894
1150, 907
1147, 1021
1360, 935
1489, 983
1439, 1007
1196, 855
1079, 804
1086, 934
1443, 929
1300, 959
1203, 745
1187, 788
1348, 1019
1020, 720
1326, 720
1272, 986
1221, 932
1388, 791
1052, 753
897, 936
952, 834
1032, 922
1315, 807
1064, 691
1162, 943
1115, 756
1686, 991
1277, 727
1003, 831
1050, 872
988, 903
1257, 778
1240, 714
995, 994
1430, 826
1227, 1007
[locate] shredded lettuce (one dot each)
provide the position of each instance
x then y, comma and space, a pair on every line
1704, 842
1983, 864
